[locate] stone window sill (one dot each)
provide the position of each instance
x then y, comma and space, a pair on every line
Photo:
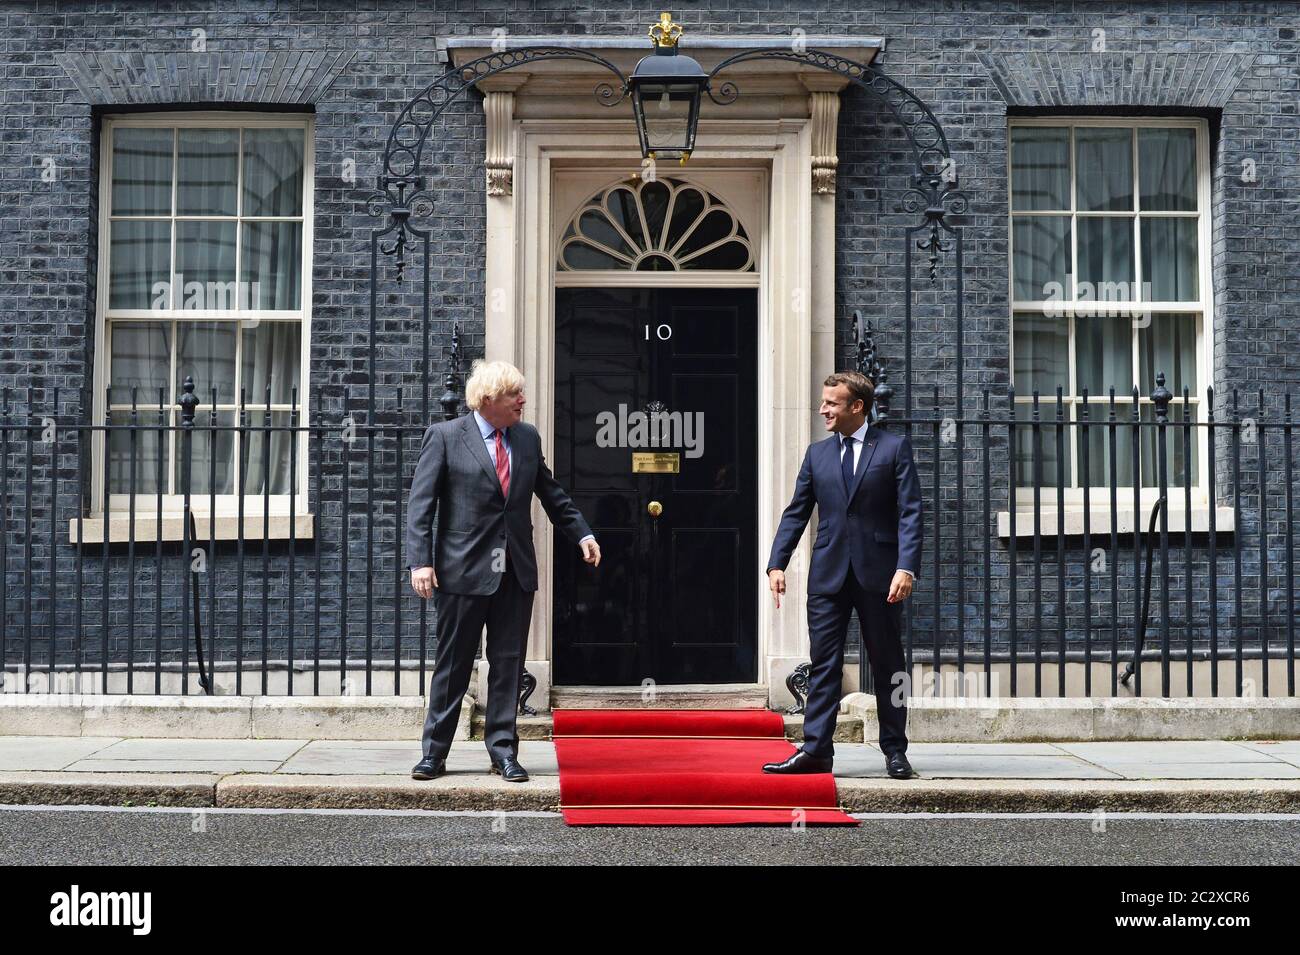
1100, 523
173, 528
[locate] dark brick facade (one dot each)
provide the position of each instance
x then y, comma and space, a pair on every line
354, 64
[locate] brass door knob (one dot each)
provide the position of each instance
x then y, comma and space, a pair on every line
654, 508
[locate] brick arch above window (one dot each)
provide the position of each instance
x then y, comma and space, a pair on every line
1070, 80
271, 77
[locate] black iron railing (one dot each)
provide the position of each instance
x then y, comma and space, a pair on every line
1038, 549
1037, 582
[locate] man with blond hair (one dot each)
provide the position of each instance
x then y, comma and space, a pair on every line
478, 475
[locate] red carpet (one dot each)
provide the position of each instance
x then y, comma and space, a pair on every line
683, 768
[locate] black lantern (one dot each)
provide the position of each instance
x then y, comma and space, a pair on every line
666, 88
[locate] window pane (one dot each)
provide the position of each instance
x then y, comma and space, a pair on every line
1167, 168
1168, 344
654, 200
145, 453
715, 226
655, 263
728, 256
1043, 461
206, 446
1104, 168
207, 172
1106, 258
1040, 168
266, 461
686, 209
142, 172
1042, 351
207, 354
1098, 440
272, 264
1176, 449
271, 356
205, 264
580, 255
596, 226
1103, 356
139, 264
1169, 259
140, 359
623, 209
273, 172
1042, 256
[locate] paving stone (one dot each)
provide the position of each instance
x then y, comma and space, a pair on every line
257, 749
1118, 754
48, 752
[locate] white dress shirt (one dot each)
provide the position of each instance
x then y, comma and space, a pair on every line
488, 431
858, 437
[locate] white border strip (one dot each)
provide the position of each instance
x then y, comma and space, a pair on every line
543, 814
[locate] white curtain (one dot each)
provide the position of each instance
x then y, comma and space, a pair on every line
271, 356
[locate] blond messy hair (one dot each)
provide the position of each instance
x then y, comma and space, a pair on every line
490, 379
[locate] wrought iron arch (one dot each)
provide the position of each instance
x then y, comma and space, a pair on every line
403, 193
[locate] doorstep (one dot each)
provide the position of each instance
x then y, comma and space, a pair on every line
848, 729
690, 696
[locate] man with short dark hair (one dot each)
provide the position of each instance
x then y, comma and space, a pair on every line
862, 479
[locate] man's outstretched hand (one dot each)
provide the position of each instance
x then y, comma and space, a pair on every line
776, 582
424, 581
591, 553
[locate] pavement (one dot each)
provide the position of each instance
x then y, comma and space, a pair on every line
1157, 776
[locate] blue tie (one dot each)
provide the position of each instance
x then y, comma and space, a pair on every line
846, 464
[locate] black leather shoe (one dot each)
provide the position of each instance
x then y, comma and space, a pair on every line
800, 762
896, 765
429, 768
508, 768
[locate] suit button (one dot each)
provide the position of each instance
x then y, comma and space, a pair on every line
503, 535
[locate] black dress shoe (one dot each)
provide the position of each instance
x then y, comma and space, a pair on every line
508, 768
429, 768
800, 762
896, 765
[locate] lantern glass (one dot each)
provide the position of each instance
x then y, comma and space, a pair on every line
667, 114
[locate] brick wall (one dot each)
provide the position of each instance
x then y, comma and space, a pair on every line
355, 64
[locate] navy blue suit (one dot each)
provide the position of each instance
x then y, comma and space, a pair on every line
864, 534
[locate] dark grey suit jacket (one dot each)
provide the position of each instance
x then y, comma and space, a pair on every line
455, 481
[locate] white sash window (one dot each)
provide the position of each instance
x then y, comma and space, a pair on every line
205, 245
1110, 284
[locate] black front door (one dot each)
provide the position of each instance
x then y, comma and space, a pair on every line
649, 379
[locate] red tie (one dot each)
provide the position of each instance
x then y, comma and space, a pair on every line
503, 465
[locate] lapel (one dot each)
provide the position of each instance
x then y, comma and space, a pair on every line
473, 439
869, 442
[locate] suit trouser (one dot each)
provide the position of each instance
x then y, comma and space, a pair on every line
461, 618
882, 636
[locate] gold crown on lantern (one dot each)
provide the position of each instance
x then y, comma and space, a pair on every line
665, 32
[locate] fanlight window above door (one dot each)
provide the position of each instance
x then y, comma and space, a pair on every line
663, 226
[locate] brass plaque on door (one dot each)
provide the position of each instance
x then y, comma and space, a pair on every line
656, 462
